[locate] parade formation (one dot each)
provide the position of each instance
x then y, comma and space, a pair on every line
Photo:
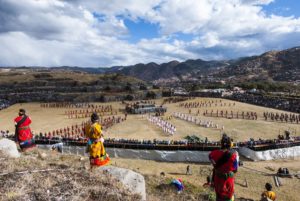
167, 127
197, 121
91, 133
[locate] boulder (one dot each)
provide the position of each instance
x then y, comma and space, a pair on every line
9, 148
135, 182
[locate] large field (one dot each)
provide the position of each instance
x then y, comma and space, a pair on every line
138, 127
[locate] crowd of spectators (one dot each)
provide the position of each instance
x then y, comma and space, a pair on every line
285, 139
4, 104
292, 105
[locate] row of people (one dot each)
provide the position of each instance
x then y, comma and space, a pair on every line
167, 127
211, 103
86, 115
68, 105
82, 138
232, 115
100, 109
197, 121
282, 117
77, 130
147, 142
175, 100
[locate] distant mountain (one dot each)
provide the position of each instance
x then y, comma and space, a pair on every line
274, 66
271, 66
153, 71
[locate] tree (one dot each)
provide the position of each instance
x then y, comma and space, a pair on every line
107, 88
155, 87
128, 87
143, 87
151, 95
129, 97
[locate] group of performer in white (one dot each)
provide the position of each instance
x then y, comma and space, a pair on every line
167, 127
195, 120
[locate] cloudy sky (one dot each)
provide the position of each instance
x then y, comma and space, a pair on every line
102, 33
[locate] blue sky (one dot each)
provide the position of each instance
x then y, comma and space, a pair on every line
141, 29
284, 8
125, 32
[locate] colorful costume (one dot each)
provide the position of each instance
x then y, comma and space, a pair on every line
269, 194
178, 184
23, 133
225, 164
98, 155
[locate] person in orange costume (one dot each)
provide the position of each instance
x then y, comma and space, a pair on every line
23, 134
93, 131
225, 162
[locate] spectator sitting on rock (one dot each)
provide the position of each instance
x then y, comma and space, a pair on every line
268, 194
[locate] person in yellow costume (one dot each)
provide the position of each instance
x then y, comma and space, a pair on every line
268, 194
93, 131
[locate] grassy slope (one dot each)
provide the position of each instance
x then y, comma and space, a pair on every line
70, 181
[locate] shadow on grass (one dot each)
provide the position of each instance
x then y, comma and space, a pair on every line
176, 173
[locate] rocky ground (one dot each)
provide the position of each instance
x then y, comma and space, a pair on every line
48, 176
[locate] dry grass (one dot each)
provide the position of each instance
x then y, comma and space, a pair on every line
152, 169
159, 189
28, 75
74, 181
71, 180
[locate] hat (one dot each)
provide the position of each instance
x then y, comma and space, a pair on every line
94, 117
226, 141
268, 186
23, 111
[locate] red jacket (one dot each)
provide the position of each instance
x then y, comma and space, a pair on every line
224, 175
23, 131
230, 165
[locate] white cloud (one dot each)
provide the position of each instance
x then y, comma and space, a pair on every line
93, 33
257, 2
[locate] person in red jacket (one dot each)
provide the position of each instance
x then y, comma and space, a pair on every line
225, 163
23, 134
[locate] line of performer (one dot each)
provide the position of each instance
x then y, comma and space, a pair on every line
282, 117
231, 115
197, 121
68, 105
211, 103
167, 127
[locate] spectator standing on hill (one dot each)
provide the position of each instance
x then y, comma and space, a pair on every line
225, 163
93, 131
188, 170
23, 134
